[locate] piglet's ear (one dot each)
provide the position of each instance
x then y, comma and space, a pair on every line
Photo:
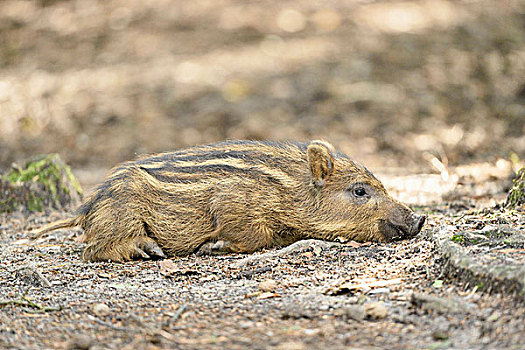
320, 161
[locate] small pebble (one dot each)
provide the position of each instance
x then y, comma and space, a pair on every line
376, 311
354, 312
440, 334
494, 316
268, 285
291, 345
379, 291
441, 328
310, 332
80, 342
324, 307
246, 325
101, 309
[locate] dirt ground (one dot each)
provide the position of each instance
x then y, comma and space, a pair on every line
387, 82
430, 95
318, 295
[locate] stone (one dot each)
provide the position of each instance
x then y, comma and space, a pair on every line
101, 309
440, 305
80, 342
376, 310
268, 285
352, 312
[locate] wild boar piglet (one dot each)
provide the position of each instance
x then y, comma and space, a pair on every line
236, 196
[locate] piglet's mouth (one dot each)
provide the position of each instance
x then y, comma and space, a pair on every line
396, 232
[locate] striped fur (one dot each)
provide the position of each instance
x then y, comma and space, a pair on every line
239, 195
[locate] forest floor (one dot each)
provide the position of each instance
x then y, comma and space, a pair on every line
315, 295
100, 82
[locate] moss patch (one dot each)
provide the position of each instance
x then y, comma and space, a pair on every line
458, 238
43, 182
516, 196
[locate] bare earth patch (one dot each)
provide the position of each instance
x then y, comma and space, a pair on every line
314, 295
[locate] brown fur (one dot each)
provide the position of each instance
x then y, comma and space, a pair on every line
236, 196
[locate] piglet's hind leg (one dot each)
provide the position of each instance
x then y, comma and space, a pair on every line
217, 248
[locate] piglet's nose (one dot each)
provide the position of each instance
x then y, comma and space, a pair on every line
418, 222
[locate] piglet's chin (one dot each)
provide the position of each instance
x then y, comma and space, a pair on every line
394, 232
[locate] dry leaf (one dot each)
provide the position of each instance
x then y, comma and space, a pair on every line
267, 295
252, 294
261, 295
376, 311
317, 250
168, 268
268, 285
355, 244
360, 285
21, 241
308, 254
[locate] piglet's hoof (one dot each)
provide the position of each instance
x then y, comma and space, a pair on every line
212, 248
147, 248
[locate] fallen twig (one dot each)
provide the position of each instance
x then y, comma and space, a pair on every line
153, 330
30, 270
14, 302
26, 302
360, 285
110, 325
295, 247
42, 278
179, 312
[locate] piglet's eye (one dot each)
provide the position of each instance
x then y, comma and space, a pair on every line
359, 192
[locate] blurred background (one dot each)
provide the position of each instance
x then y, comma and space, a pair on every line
417, 85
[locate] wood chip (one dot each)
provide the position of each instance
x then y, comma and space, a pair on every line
360, 285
